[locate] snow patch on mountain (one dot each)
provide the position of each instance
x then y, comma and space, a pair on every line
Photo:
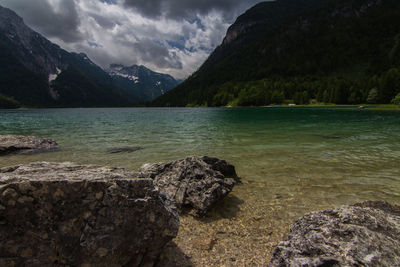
54, 76
133, 78
147, 83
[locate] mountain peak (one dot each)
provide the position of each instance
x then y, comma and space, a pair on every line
147, 82
134, 70
7, 14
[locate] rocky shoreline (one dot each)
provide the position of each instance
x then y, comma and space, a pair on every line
82, 215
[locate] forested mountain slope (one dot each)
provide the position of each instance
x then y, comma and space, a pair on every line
333, 51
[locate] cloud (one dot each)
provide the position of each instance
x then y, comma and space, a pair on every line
54, 18
178, 9
172, 36
164, 59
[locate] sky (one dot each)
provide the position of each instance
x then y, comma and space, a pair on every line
168, 36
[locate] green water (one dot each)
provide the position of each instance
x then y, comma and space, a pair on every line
299, 158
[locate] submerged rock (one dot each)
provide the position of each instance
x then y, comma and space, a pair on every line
197, 183
366, 234
14, 144
123, 149
55, 214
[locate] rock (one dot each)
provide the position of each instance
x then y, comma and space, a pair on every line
124, 149
366, 234
13, 144
56, 214
197, 183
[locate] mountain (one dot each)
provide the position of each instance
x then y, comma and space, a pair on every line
145, 83
253, 23
335, 51
38, 73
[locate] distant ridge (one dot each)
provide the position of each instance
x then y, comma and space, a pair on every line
145, 83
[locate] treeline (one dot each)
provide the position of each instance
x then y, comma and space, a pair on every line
381, 89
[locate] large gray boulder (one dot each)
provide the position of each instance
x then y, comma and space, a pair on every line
366, 234
14, 144
196, 183
54, 214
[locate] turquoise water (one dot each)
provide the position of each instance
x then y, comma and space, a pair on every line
298, 158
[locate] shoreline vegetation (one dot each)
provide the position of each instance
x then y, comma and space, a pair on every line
286, 104
382, 90
317, 105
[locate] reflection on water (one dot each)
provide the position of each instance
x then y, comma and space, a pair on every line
317, 157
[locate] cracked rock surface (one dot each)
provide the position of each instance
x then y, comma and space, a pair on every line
193, 182
365, 234
55, 214
14, 144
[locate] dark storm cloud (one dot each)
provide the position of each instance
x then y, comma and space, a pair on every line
178, 9
145, 7
111, 2
61, 20
164, 59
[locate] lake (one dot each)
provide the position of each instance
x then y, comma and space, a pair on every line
291, 160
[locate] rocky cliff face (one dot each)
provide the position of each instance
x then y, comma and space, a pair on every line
34, 51
254, 22
267, 15
263, 16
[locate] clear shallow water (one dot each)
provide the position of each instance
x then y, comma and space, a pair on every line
299, 159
